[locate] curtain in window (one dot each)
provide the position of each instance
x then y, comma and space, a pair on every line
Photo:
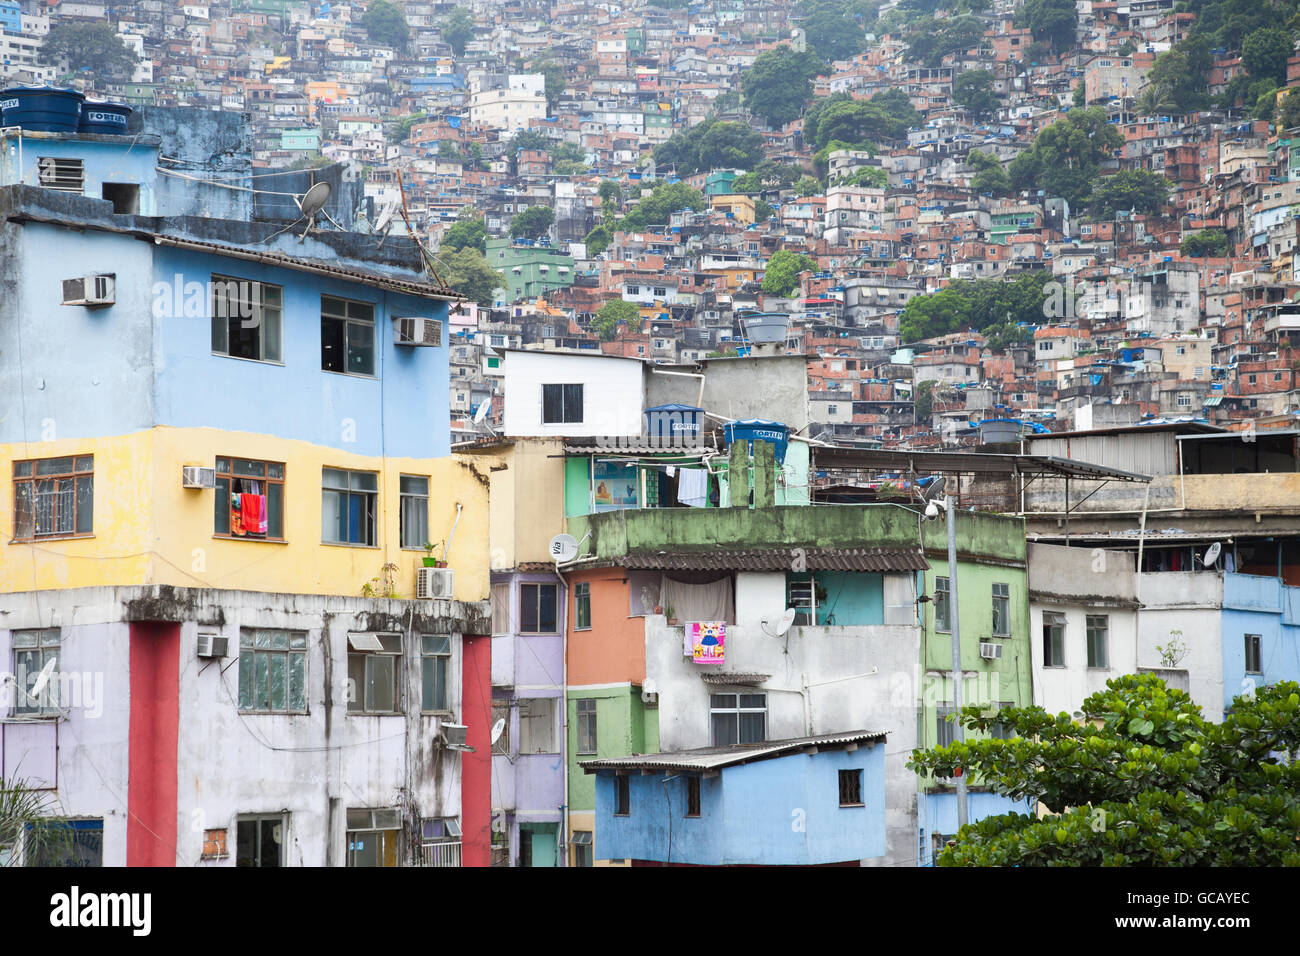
698, 602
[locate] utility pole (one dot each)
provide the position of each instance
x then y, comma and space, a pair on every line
954, 621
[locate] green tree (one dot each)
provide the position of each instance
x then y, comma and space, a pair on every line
1006, 333
530, 139
763, 211
88, 46
458, 30
467, 232
1137, 189
930, 40
1288, 113
781, 277
385, 23
469, 273
813, 115
656, 208
872, 177
989, 176
1141, 780
923, 401
598, 239
1065, 157
555, 83
807, 186
1207, 242
976, 305
1264, 54
611, 315
830, 34
1080, 95
974, 91
779, 83
533, 223
855, 121
712, 144
1050, 21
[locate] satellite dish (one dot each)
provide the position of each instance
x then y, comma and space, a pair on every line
564, 547
1212, 554
313, 200
385, 218
481, 412
43, 678
784, 624
498, 728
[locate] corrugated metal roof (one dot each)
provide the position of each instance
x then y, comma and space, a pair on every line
721, 677
779, 559
938, 462
715, 758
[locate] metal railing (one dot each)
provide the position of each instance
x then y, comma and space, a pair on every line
440, 854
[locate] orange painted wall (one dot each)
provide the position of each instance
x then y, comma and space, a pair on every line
613, 650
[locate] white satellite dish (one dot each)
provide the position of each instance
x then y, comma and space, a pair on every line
42, 678
481, 412
783, 624
1212, 554
498, 729
564, 547
312, 204
384, 222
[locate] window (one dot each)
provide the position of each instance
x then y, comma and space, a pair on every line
373, 837
501, 712
347, 336
1000, 731
1098, 630
660, 292
414, 511
622, 796
737, 719
33, 652
587, 726
54, 497
348, 506
1053, 639
440, 841
634, 290
802, 596
851, 788
1254, 654
1002, 610
582, 606
63, 842
65, 175
259, 840
561, 404
831, 410
942, 607
692, 796
435, 661
1184, 400
945, 729
581, 841
374, 673
537, 605
249, 500
273, 671
537, 725
246, 319
501, 609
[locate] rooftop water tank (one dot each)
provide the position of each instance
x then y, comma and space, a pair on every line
760, 429
104, 118
766, 326
41, 109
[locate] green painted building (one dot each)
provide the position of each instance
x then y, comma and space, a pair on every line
530, 270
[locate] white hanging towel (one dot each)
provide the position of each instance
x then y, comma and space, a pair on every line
693, 487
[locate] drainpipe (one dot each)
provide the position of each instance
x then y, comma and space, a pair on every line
562, 851
446, 550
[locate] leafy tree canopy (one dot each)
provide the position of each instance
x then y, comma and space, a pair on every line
781, 277
458, 30
385, 23
598, 239
930, 40
1264, 54
88, 46
1065, 157
712, 144
533, 223
657, 207
975, 305
973, 90
1050, 21
1207, 242
1137, 189
831, 31
989, 176
1141, 780
613, 313
466, 233
468, 272
779, 83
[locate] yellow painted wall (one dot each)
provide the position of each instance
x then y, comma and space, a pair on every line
527, 503
150, 530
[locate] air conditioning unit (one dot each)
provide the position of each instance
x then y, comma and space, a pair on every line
210, 645
990, 651
433, 584
453, 736
91, 291
194, 476
417, 330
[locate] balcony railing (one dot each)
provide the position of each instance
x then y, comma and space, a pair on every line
440, 854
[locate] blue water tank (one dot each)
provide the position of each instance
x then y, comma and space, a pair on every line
760, 429
104, 118
673, 421
41, 109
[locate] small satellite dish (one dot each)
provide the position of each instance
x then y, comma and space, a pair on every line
1212, 554
43, 678
313, 200
384, 222
564, 547
481, 412
498, 728
783, 624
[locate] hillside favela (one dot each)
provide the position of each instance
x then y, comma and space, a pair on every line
364, 365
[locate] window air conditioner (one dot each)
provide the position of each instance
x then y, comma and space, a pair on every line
433, 584
89, 290
454, 736
990, 651
417, 331
194, 476
210, 645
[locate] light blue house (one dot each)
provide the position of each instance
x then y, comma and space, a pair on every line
1261, 633
808, 801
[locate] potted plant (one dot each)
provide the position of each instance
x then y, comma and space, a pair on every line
429, 560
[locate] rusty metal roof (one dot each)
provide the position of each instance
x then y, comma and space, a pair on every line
779, 559
715, 758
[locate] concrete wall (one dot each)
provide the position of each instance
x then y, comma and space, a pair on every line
1263, 606
1190, 602
611, 393
772, 387
230, 763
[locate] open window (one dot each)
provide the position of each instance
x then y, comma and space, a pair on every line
374, 837
374, 673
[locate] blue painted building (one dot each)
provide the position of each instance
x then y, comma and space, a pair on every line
11, 17
806, 801
1260, 633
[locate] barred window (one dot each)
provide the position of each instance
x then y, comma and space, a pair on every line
54, 497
